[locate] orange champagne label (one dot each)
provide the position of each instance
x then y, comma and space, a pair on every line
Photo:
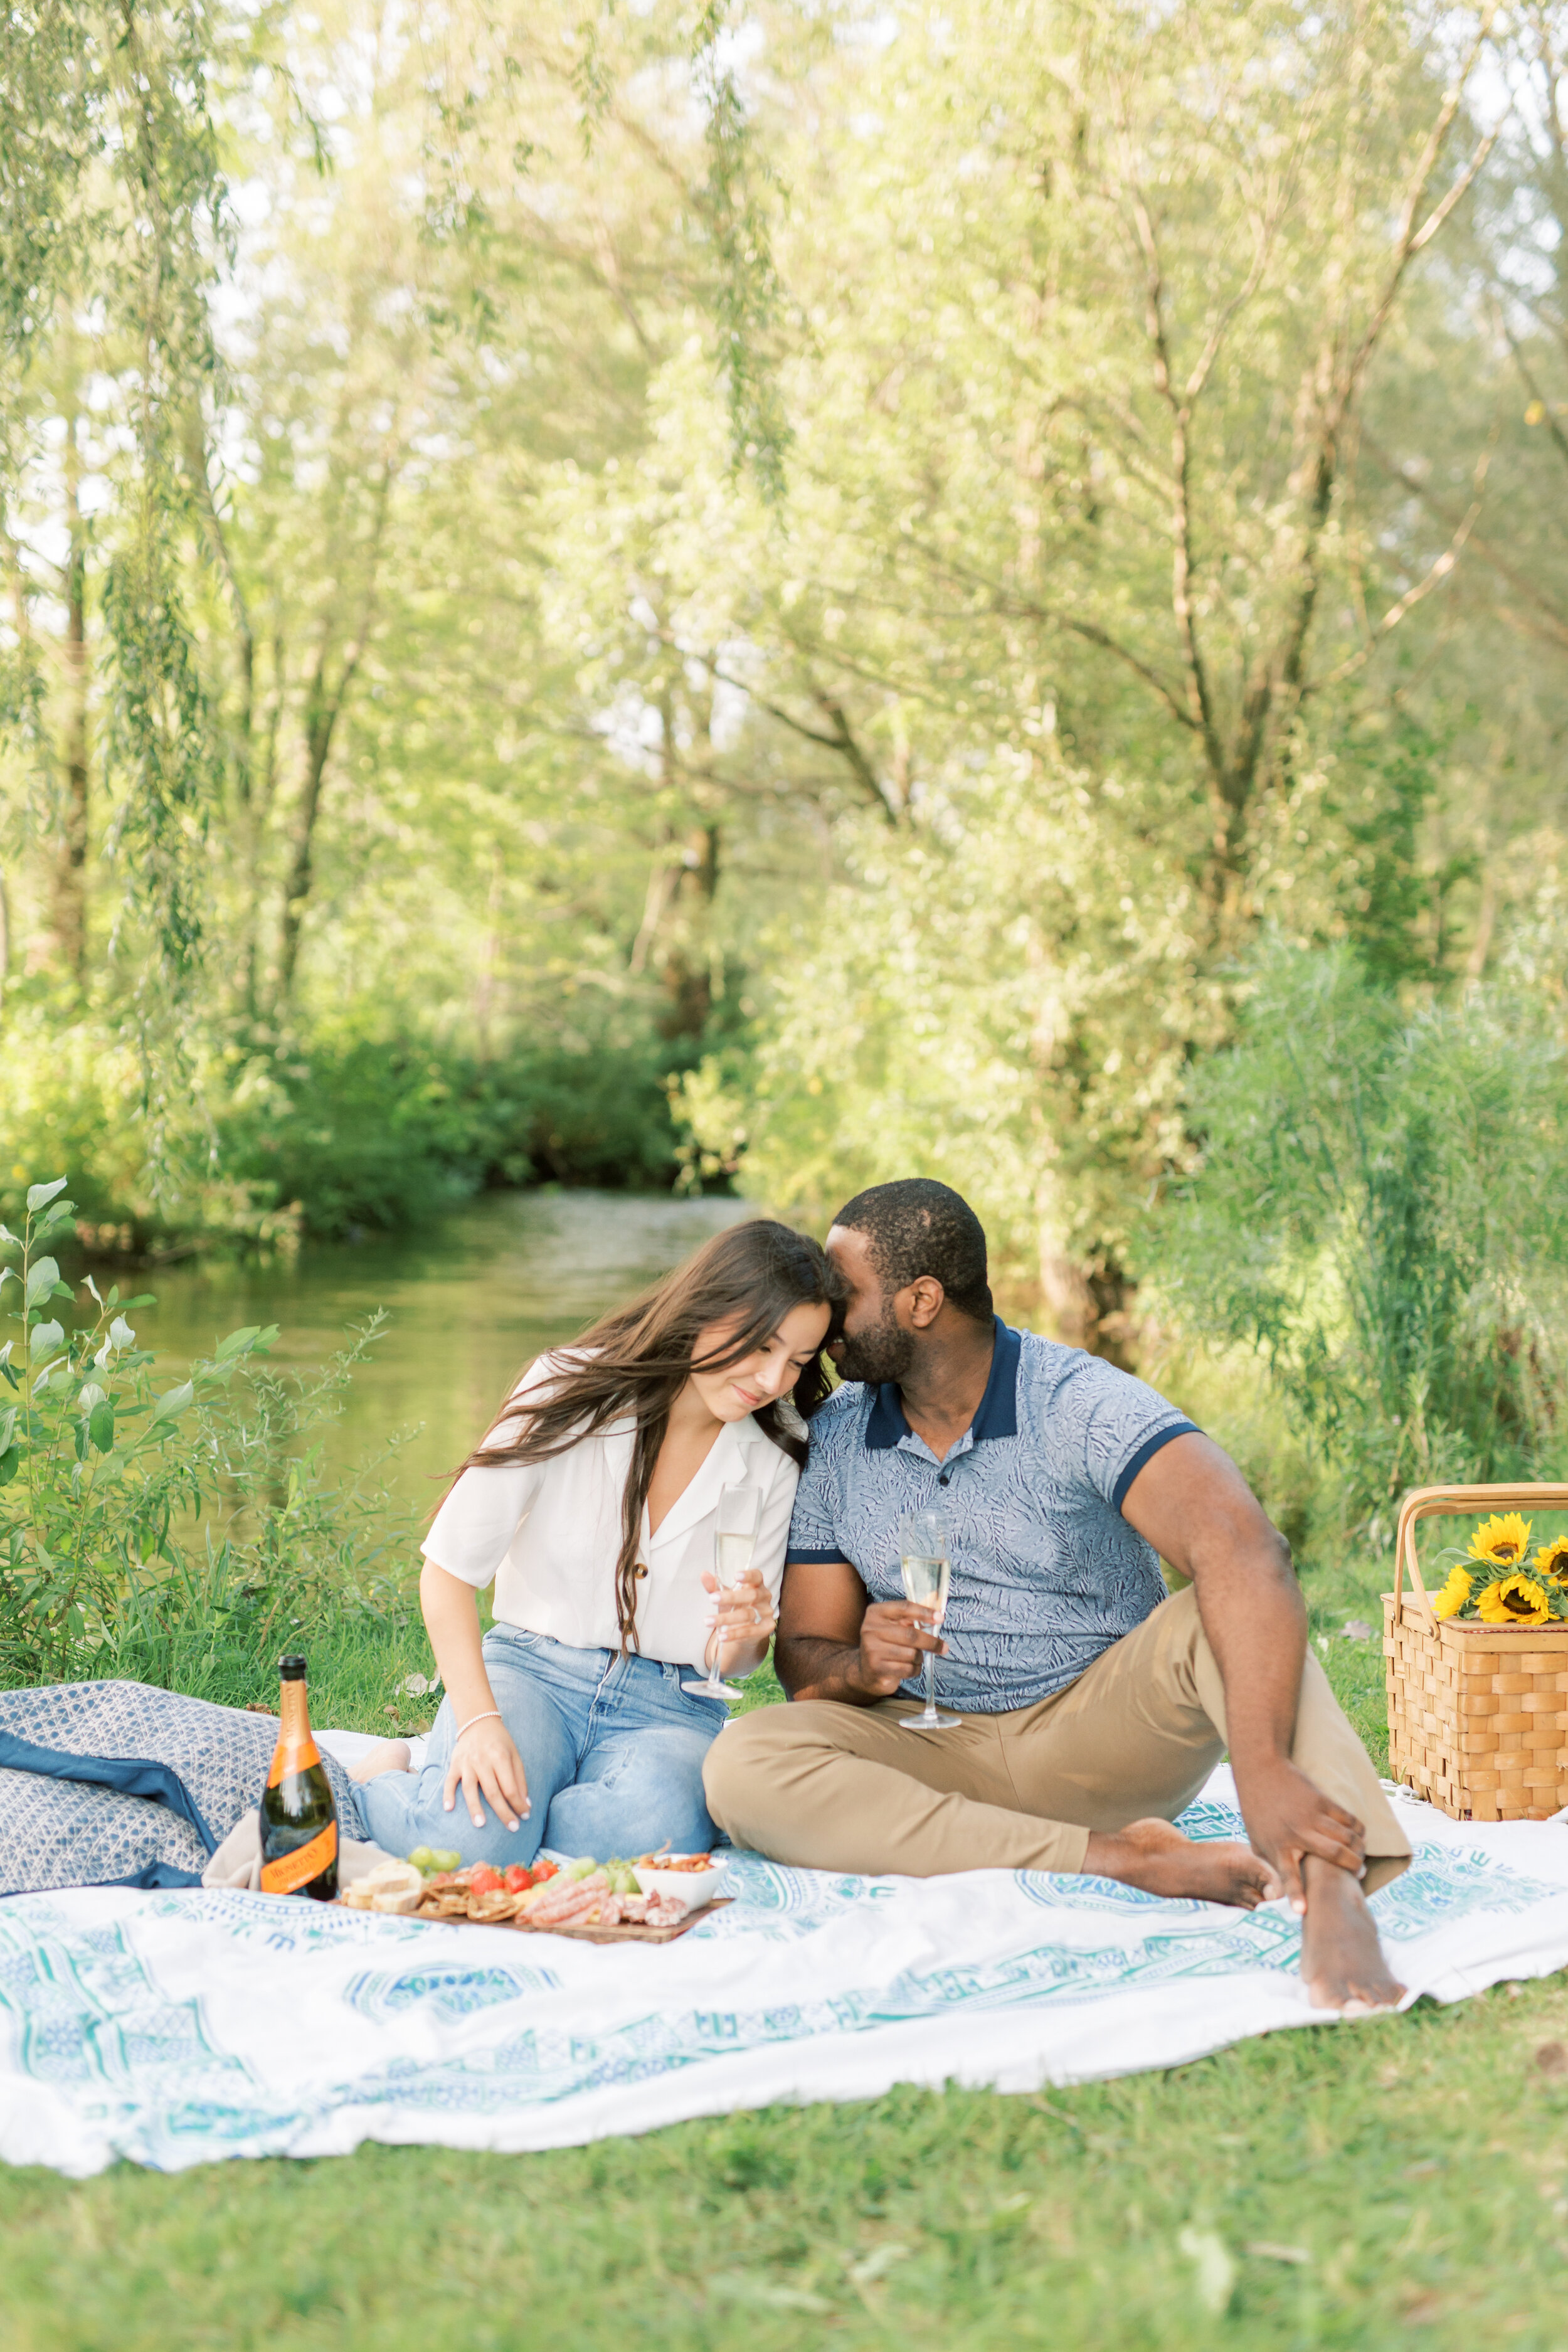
306, 1861
292, 1755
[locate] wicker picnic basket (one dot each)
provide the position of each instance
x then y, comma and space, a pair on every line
1478, 1715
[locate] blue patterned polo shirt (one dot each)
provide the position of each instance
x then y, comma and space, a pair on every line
1047, 1573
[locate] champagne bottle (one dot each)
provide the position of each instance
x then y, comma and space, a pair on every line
299, 1813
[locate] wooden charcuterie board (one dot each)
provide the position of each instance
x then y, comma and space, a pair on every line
629, 1933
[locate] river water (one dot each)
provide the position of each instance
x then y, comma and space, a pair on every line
471, 1302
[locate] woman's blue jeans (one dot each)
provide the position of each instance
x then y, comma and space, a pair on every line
612, 1746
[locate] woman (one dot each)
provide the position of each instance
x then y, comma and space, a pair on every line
592, 1505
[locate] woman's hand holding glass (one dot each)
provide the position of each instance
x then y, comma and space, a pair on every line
486, 1762
743, 1620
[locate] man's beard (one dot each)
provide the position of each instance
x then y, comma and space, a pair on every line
882, 1352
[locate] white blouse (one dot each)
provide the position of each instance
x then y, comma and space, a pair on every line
549, 1533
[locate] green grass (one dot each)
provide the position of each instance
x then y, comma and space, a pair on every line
1399, 2182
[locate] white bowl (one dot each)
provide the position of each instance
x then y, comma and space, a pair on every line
690, 1888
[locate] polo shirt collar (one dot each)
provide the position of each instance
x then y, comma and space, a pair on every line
888, 1425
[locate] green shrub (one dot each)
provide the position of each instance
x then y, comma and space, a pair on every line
359, 1131
1381, 1212
168, 1534
388, 1132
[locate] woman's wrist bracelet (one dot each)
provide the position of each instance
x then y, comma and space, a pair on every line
489, 1713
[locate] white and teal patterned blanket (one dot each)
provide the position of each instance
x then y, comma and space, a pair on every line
176, 2027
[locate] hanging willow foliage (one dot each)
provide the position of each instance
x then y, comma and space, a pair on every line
112, 198
746, 289
731, 206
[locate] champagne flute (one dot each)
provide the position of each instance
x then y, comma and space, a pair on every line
735, 1529
927, 1572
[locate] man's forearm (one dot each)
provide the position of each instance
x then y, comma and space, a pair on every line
810, 1667
1257, 1627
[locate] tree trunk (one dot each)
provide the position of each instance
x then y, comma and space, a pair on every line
321, 717
1091, 1307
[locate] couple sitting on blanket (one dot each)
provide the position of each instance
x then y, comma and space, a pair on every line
1091, 1707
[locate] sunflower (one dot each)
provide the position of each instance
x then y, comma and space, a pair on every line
1457, 1589
1552, 1560
1501, 1542
1516, 1601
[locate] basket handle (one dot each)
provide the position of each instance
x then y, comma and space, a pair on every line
1433, 1502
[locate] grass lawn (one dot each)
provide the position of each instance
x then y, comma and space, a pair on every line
1401, 2181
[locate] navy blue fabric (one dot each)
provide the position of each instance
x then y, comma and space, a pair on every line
135, 1776
1145, 1453
160, 1874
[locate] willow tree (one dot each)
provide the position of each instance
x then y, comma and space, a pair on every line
113, 225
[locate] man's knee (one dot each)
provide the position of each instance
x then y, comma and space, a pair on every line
735, 1764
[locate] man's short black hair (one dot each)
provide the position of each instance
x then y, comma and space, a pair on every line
919, 1226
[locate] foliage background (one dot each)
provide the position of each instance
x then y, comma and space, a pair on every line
788, 597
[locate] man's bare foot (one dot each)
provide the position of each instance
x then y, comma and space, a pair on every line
1154, 1855
391, 1755
1342, 1965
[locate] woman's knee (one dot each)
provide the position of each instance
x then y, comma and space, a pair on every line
405, 1811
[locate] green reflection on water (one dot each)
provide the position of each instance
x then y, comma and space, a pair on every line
470, 1303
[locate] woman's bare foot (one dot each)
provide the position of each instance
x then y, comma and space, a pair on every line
392, 1756
1154, 1855
1342, 1965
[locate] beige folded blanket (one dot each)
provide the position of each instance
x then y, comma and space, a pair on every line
237, 1861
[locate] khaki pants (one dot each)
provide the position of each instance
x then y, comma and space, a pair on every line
834, 1787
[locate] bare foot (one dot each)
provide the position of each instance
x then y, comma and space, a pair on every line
1342, 1965
1154, 1855
392, 1756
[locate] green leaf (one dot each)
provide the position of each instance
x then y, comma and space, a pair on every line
45, 1336
100, 1427
169, 1407
41, 1280
40, 1195
237, 1343
10, 1462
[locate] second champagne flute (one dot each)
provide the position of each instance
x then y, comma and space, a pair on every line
927, 1573
735, 1524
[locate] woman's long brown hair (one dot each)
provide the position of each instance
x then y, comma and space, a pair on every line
638, 1361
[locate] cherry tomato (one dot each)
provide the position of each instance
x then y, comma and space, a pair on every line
518, 1876
485, 1881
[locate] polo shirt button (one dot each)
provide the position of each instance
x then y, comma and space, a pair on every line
942, 1477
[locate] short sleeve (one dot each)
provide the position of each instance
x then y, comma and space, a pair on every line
472, 1533
812, 1535
1102, 1426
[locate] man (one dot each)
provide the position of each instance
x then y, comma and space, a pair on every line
1091, 1707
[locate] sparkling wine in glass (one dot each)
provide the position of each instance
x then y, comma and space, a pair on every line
922, 1554
735, 1524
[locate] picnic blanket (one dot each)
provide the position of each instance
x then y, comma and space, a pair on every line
175, 2028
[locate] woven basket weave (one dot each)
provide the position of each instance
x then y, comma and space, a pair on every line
1478, 1715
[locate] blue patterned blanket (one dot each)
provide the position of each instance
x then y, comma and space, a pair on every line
121, 1784
176, 2028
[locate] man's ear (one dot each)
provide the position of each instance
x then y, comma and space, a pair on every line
925, 1295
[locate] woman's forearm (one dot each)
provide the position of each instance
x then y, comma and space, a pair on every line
452, 1621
